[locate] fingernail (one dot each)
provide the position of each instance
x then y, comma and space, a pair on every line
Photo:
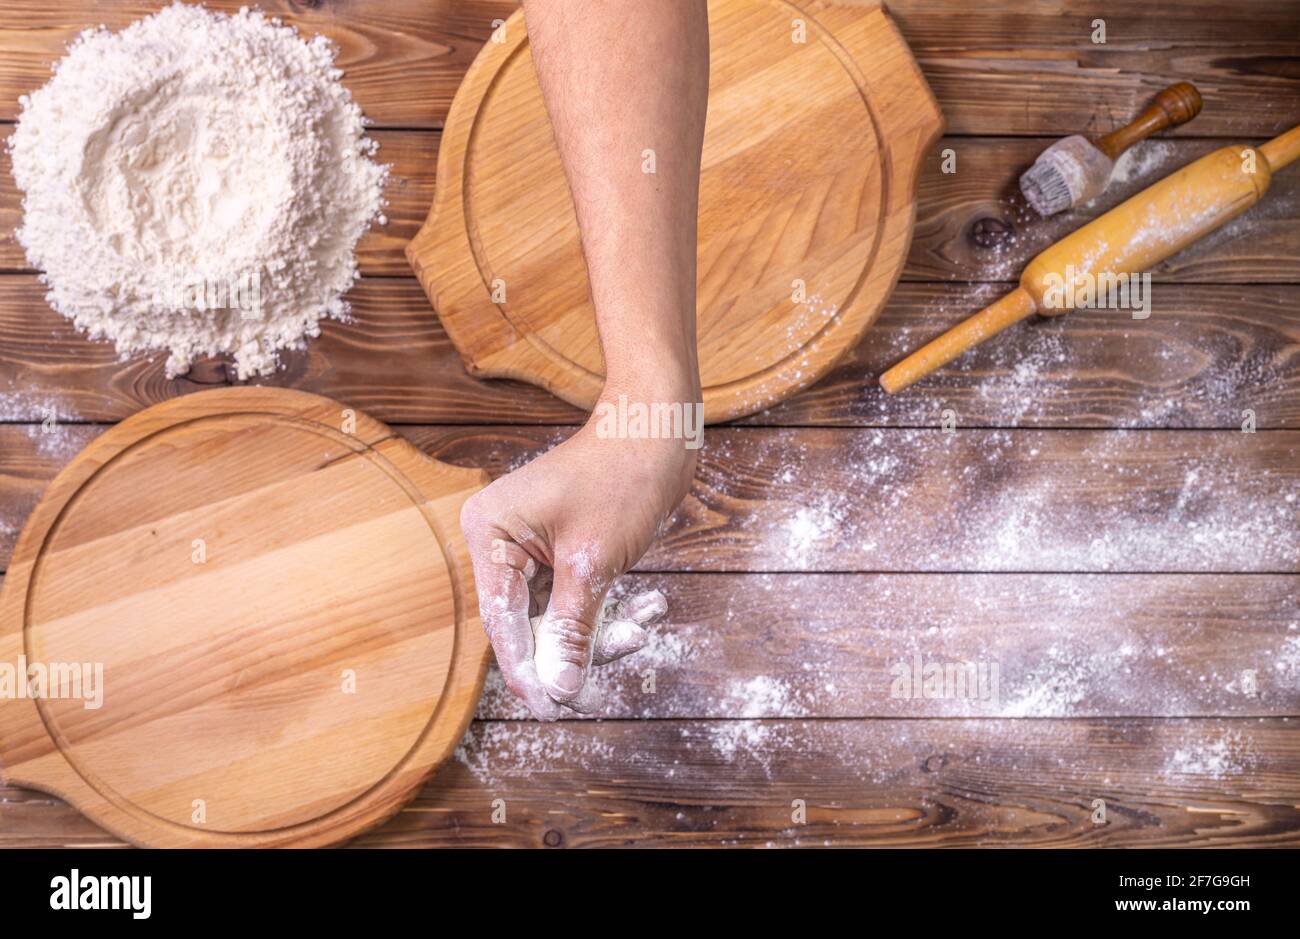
567, 680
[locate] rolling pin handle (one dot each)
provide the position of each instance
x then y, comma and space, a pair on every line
990, 321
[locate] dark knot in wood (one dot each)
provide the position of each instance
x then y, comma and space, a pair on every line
990, 232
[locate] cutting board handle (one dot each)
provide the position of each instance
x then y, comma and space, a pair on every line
251, 463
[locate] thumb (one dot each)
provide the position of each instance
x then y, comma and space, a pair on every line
567, 634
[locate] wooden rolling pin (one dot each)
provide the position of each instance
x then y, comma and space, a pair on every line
1155, 224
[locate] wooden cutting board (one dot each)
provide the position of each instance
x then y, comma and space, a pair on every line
280, 599
818, 118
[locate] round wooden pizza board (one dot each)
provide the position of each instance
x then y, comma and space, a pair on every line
277, 592
818, 118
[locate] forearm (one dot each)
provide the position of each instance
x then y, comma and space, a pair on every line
626, 86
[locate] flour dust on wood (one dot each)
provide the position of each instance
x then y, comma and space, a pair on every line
196, 183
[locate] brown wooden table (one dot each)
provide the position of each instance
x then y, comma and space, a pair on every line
1098, 525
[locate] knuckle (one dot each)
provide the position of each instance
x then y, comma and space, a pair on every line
516, 687
572, 635
472, 513
573, 567
500, 552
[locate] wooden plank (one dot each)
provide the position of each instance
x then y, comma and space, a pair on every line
757, 343
1205, 356
1197, 783
1029, 67
973, 224
393, 359
814, 499
875, 782
401, 60
807, 499
765, 646
1023, 68
412, 154
29, 458
1042, 645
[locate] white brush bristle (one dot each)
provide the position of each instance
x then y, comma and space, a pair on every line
1045, 189
1068, 173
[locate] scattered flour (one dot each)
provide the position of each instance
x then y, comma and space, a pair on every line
809, 529
19, 407
731, 741
495, 751
1025, 501
762, 696
196, 183
1229, 755
1287, 662
760, 741
1054, 689
181, 108
1142, 160
55, 443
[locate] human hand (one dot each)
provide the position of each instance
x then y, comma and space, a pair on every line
588, 509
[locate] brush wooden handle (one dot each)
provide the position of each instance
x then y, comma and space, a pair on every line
1176, 105
1137, 234
1282, 149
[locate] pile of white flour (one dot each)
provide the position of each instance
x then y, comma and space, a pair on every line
196, 183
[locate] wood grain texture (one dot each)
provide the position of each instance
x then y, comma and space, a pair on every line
46, 366
1124, 243
806, 499
925, 783
1041, 645
971, 225
1031, 67
801, 239
1204, 356
1025, 68
1217, 343
385, 49
223, 563
811, 499
1065, 646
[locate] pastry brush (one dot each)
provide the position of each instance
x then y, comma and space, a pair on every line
1134, 236
1073, 170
